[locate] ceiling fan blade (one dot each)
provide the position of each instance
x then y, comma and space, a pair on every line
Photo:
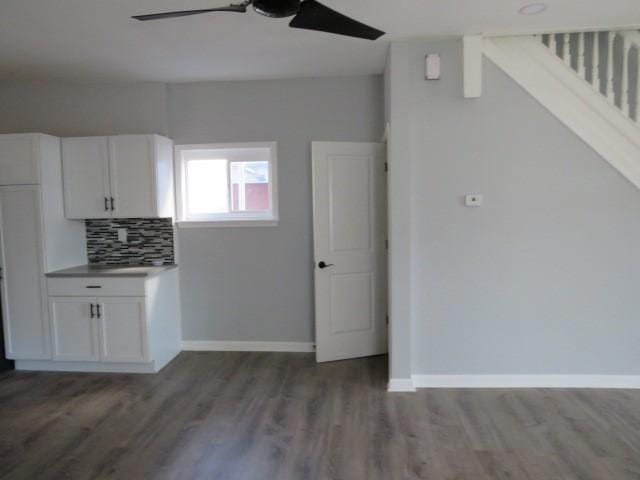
315, 16
241, 8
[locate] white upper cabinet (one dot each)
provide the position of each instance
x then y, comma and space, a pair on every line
132, 176
19, 159
86, 177
123, 176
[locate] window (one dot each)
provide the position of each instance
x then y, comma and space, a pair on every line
227, 184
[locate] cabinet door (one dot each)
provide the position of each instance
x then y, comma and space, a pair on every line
74, 329
123, 329
19, 159
133, 176
85, 167
24, 307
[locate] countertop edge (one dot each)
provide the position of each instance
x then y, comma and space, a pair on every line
75, 272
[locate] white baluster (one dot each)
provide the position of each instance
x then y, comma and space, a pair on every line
624, 103
566, 48
595, 65
581, 70
553, 46
610, 93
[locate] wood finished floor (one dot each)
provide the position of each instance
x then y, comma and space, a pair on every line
278, 416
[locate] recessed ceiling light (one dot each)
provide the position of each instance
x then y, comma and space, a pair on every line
533, 9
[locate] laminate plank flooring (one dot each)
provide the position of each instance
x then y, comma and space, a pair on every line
246, 416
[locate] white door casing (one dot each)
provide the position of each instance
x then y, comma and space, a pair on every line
349, 205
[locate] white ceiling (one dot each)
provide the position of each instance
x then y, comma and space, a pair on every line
97, 39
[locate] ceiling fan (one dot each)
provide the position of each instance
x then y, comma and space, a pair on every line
309, 15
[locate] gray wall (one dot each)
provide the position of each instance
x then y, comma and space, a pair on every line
543, 279
244, 284
76, 109
256, 283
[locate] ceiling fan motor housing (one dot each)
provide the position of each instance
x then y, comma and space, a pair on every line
277, 8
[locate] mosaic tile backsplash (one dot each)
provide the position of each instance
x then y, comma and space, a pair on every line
147, 239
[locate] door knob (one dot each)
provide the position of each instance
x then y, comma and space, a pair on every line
324, 265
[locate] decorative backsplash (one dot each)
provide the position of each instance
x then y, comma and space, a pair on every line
148, 239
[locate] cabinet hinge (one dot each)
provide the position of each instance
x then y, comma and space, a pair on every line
386, 244
386, 166
387, 319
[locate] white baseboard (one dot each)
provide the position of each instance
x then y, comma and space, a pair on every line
223, 346
93, 367
401, 385
527, 381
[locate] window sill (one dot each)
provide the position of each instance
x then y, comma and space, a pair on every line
226, 223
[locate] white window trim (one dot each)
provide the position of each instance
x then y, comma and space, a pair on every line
225, 220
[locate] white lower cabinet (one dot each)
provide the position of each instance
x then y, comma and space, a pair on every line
99, 329
123, 330
74, 328
106, 324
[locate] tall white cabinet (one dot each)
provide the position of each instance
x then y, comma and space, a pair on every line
122, 176
35, 237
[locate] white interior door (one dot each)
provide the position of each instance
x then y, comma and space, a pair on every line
349, 219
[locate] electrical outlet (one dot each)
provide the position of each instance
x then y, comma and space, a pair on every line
122, 235
473, 200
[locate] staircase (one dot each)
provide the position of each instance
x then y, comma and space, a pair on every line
589, 80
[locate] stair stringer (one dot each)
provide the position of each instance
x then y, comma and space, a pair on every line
572, 100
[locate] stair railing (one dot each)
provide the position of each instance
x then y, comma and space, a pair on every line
608, 61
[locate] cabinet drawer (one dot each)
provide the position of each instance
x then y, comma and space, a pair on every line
96, 287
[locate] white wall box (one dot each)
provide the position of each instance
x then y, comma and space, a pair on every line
35, 238
123, 176
112, 324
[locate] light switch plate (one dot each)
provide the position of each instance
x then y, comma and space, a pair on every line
122, 235
432, 67
473, 200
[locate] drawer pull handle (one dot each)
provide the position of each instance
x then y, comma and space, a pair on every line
94, 286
